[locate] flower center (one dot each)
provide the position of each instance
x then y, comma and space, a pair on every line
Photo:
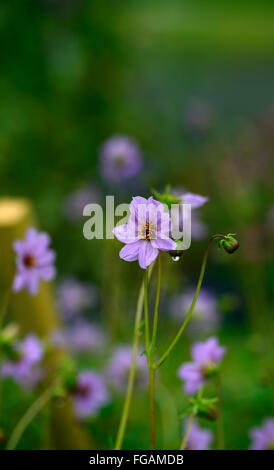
83, 391
147, 232
119, 161
29, 261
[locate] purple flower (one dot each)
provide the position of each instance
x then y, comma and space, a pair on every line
195, 200
90, 394
119, 367
76, 201
198, 228
205, 316
146, 233
34, 262
198, 438
263, 437
26, 370
74, 297
120, 159
80, 337
206, 358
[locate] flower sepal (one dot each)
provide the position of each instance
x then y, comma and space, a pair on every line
204, 407
166, 198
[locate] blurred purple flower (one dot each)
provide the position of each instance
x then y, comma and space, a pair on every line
195, 200
205, 316
198, 117
198, 228
34, 261
80, 337
120, 159
146, 233
263, 437
119, 367
26, 370
89, 395
76, 201
74, 297
206, 357
198, 438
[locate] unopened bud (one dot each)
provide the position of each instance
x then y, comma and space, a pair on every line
205, 407
229, 243
209, 412
166, 198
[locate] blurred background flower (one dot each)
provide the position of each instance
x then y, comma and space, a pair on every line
198, 438
117, 98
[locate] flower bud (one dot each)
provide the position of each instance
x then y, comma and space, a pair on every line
67, 369
166, 198
229, 243
205, 407
9, 334
208, 411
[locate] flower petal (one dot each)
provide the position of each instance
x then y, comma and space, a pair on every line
130, 251
164, 244
147, 254
125, 233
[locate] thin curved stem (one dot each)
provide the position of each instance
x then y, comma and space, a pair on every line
127, 403
146, 317
156, 310
26, 419
200, 280
187, 431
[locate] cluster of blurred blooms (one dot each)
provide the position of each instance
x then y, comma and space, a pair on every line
25, 360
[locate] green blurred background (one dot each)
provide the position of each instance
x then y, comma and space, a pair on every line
73, 73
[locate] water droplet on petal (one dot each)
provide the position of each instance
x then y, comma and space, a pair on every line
175, 258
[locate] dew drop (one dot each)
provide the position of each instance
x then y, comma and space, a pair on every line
175, 258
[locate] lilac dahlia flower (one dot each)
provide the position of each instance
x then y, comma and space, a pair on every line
25, 369
80, 337
34, 261
206, 357
120, 159
74, 297
198, 438
119, 367
146, 232
205, 316
90, 394
263, 437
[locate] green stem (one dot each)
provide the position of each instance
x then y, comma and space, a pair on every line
187, 431
146, 316
128, 398
220, 421
156, 310
151, 362
4, 306
200, 280
152, 408
3, 311
26, 419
